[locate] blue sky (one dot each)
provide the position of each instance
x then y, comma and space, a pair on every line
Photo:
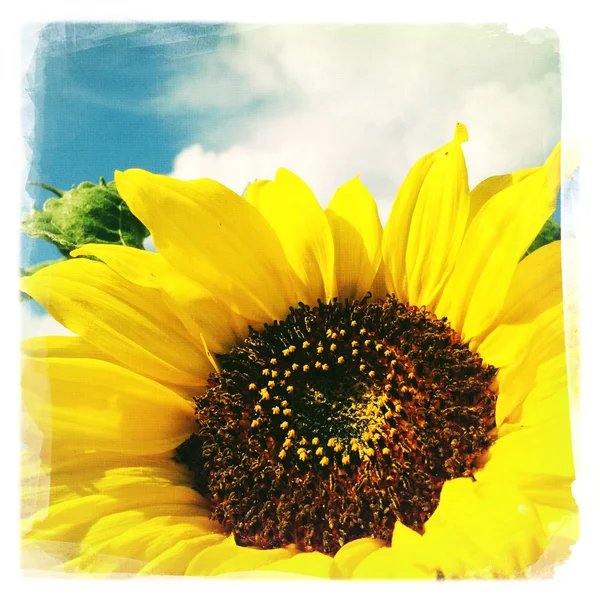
327, 101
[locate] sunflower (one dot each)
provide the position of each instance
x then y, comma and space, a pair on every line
288, 390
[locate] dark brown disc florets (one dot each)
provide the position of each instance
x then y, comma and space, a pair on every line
337, 422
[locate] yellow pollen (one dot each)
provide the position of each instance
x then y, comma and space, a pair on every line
355, 352
292, 348
264, 394
254, 423
303, 441
393, 362
353, 323
315, 440
411, 375
367, 342
290, 388
362, 331
305, 344
252, 386
285, 352
291, 433
342, 332
355, 447
389, 376
266, 371
288, 373
332, 347
276, 410
325, 367
369, 451
287, 412
319, 451
271, 384
378, 347
319, 349
295, 366
376, 437
404, 389
387, 352
331, 442
345, 459
371, 373
362, 367
273, 373
288, 444
387, 387
334, 335
302, 453
284, 425
257, 408
385, 451
340, 360
329, 332
273, 361
337, 448
318, 364
283, 403
324, 461
282, 454
354, 344
366, 436
305, 368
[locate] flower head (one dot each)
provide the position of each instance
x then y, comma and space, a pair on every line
284, 388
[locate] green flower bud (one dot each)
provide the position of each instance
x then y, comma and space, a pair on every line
550, 233
88, 213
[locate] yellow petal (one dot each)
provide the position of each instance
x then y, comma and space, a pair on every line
130, 323
493, 530
351, 554
427, 222
124, 542
227, 557
310, 564
61, 346
491, 186
494, 244
534, 449
202, 314
93, 404
408, 558
385, 564
357, 232
139, 538
216, 238
535, 288
97, 473
71, 492
540, 342
293, 212
175, 560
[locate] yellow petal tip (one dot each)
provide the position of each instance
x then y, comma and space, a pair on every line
461, 134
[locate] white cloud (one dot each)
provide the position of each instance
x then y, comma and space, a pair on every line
329, 102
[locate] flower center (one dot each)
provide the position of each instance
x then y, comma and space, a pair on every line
337, 422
